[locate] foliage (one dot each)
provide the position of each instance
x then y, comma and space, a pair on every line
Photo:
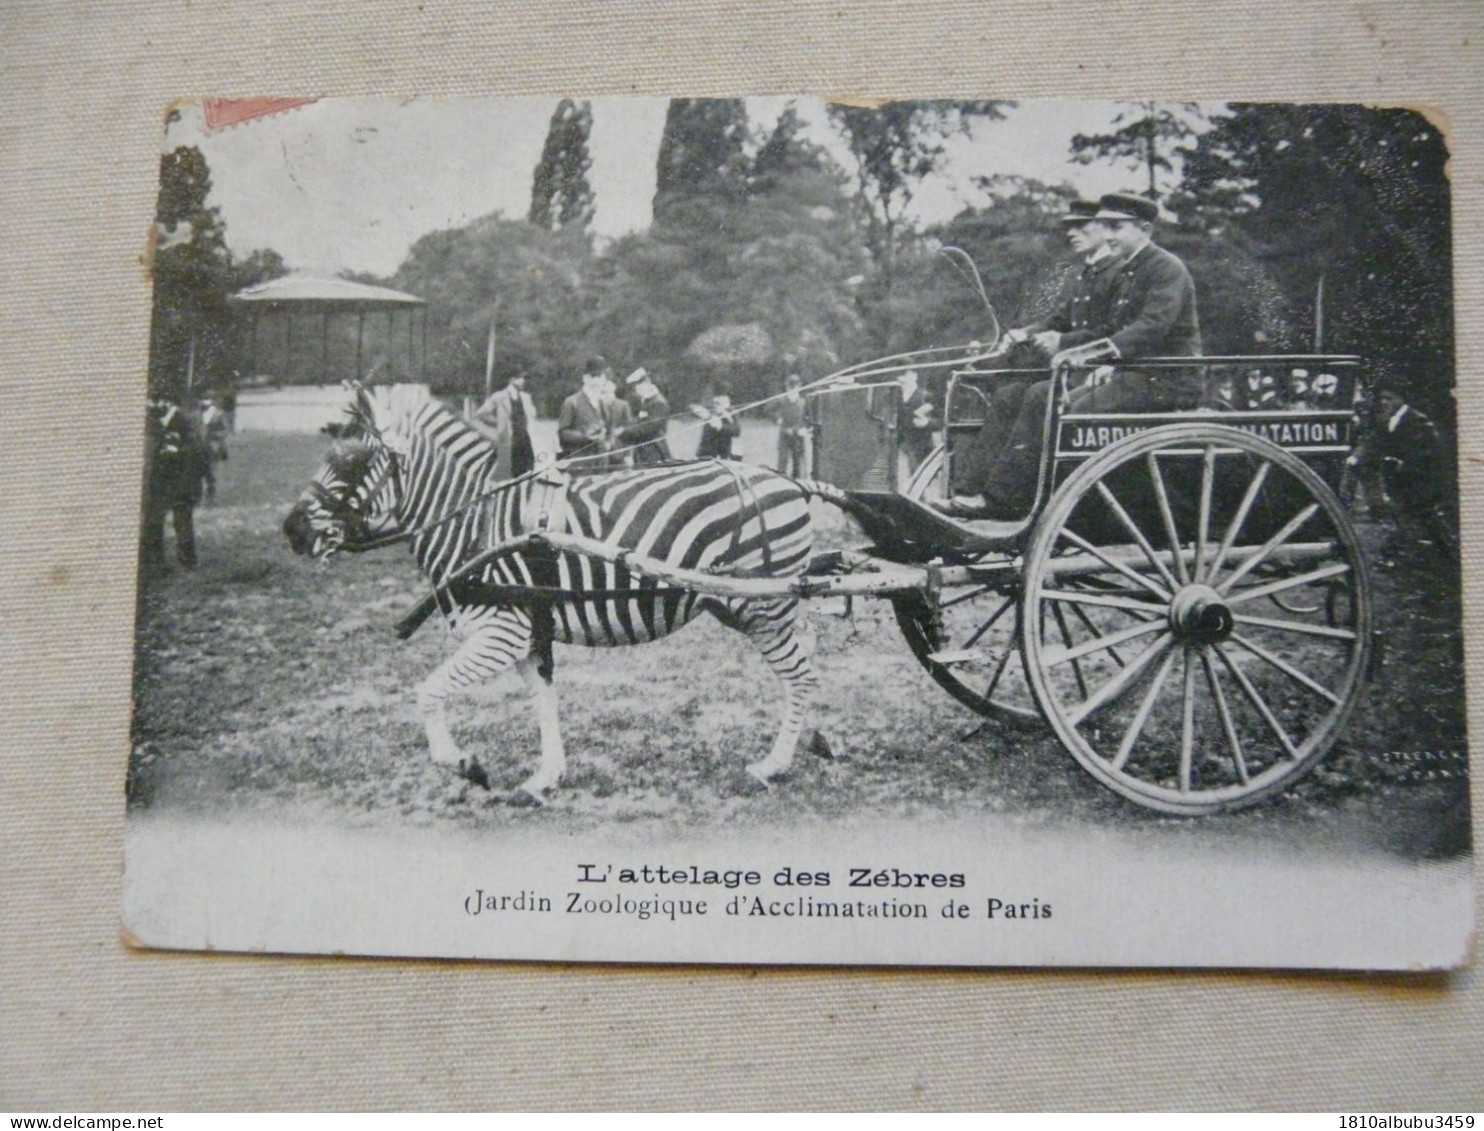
529, 283
1352, 195
1146, 136
560, 194
703, 152
895, 147
772, 270
195, 337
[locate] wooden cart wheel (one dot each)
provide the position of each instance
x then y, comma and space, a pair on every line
968, 639
1181, 689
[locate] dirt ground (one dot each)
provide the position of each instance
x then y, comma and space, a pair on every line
265, 683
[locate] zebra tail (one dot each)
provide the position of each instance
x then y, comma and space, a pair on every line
818, 489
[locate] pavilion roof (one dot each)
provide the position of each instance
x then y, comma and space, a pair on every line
325, 294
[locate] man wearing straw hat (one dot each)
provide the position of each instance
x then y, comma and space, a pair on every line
1151, 313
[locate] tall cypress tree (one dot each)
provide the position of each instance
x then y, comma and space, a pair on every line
702, 151
560, 194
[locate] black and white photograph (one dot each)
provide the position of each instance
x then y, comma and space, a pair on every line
770, 530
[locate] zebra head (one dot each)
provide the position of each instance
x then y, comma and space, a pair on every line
353, 499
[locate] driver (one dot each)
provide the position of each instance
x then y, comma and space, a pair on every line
1151, 312
1077, 320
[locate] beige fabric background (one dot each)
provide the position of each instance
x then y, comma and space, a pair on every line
86, 1024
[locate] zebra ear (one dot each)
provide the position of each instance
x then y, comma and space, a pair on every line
395, 412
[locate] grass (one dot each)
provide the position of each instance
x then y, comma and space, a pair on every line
268, 683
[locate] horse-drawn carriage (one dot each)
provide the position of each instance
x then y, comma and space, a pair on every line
1186, 602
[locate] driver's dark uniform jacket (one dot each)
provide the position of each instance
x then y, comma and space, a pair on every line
1150, 312
1080, 317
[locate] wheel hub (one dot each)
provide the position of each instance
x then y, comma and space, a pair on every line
1200, 615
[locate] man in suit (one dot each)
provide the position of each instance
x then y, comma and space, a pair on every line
506, 419
1080, 317
582, 424
791, 413
651, 420
176, 463
1151, 312
618, 418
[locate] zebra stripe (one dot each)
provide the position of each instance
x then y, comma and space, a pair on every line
425, 471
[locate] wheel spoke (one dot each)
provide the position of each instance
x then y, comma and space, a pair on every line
1268, 547
999, 669
1120, 680
1136, 727
1285, 667
1066, 636
1113, 564
1257, 701
1168, 516
1331, 570
1224, 711
1203, 524
1238, 519
1295, 626
1187, 724
1092, 628
1108, 600
1102, 643
1138, 535
1009, 602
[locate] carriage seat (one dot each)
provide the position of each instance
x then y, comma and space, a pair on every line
909, 530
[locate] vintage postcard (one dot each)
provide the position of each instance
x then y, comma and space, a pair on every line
765, 530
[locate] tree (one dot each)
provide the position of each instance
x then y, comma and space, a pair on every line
1353, 195
703, 152
527, 283
737, 290
895, 146
190, 322
1146, 136
560, 194
784, 153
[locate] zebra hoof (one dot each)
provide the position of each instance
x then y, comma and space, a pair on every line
819, 746
523, 798
472, 772
755, 783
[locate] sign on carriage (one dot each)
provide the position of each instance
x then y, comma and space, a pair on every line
766, 530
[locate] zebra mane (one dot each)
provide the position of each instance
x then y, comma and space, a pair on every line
395, 416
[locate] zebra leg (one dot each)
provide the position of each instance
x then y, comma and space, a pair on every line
553, 757
787, 644
493, 640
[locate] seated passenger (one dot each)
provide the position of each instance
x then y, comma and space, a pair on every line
1151, 312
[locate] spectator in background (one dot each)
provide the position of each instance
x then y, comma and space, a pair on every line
917, 420
505, 417
1409, 453
214, 428
176, 464
651, 420
718, 429
617, 419
582, 427
795, 430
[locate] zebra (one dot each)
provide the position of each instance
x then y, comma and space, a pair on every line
414, 470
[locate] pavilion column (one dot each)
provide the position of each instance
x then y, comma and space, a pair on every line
324, 348
360, 333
